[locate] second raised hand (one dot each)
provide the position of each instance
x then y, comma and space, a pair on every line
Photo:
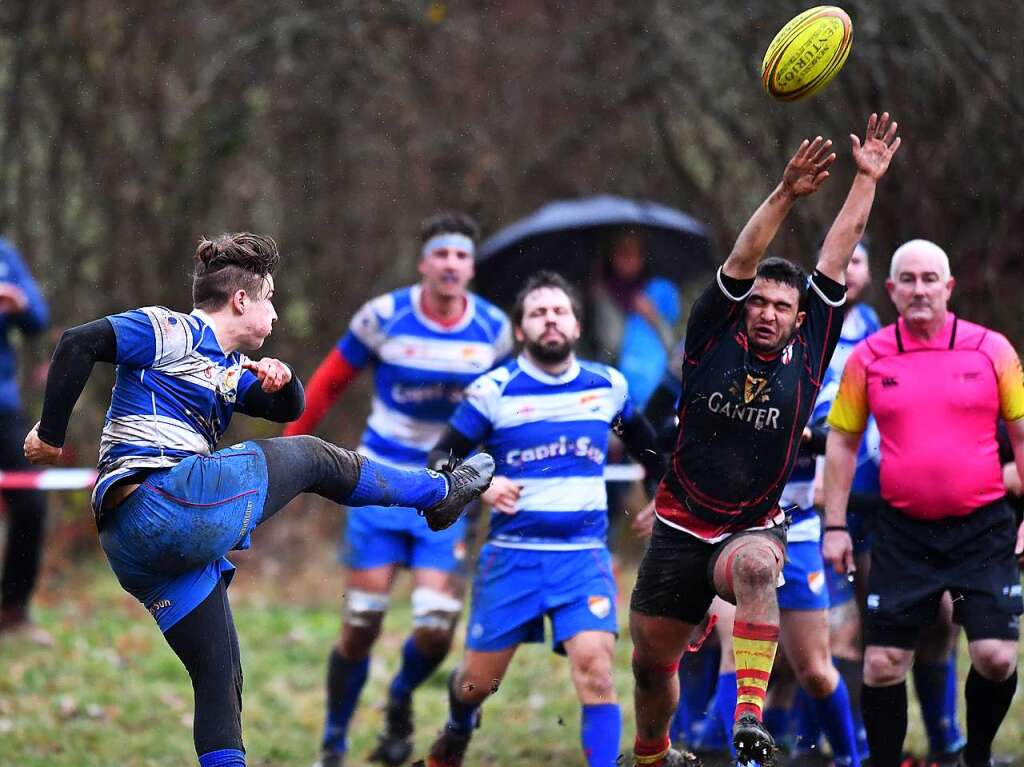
808, 168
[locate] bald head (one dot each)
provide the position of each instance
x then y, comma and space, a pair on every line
924, 252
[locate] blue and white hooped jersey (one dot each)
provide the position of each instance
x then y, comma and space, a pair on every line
549, 435
861, 321
174, 393
805, 525
422, 368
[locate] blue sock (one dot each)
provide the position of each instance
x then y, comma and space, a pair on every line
954, 738
698, 673
600, 731
806, 727
725, 703
837, 721
777, 722
345, 680
462, 717
383, 485
416, 668
225, 757
931, 681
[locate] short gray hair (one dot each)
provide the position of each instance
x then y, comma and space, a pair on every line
926, 246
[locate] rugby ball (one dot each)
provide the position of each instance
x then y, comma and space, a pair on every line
807, 53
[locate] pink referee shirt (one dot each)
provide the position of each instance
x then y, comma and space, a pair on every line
936, 403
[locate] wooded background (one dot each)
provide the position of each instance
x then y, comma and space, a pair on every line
127, 130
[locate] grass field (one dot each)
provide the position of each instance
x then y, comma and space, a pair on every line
111, 693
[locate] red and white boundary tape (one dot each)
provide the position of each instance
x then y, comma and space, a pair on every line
48, 479
84, 479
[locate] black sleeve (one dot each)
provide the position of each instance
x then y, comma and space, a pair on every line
641, 443
824, 322
452, 443
714, 309
77, 351
661, 412
819, 436
282, 406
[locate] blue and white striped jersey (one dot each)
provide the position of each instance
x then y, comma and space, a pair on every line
860, 322
549, 434
174, 393
422, 368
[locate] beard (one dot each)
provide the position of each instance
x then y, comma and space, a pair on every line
550, 353
763, 348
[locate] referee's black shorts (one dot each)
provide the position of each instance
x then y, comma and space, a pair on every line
675, 579
914, 562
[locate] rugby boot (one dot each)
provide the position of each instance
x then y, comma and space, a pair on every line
674, 758
466, 481
394, 745
330, 759
753, 742
449, 748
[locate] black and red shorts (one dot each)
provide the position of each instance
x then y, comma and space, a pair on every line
676, 577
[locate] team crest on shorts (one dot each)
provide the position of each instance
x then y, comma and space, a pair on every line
816, 581
599, 606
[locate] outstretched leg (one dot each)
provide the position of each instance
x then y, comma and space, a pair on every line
311, 465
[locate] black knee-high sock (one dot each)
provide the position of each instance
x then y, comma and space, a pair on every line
987, 704
206, 642
885, 719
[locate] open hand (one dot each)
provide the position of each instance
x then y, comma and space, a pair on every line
503, 494
808, 169
880, 144
40, 453
273, 374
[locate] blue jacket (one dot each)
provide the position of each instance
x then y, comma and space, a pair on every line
31, 321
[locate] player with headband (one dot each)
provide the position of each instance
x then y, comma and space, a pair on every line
426, 343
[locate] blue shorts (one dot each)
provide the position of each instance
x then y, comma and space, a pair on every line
515, 588
379, 535
166, 542
804, 572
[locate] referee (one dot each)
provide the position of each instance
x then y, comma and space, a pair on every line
936, 385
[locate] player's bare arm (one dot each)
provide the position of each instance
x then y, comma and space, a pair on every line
803, 176
273, 373
872, 157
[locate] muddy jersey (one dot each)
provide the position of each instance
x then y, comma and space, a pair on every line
741, 414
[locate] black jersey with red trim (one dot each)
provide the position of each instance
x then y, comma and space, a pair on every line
741, 414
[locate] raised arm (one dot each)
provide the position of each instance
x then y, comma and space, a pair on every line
804, 175
872, 158
77, 351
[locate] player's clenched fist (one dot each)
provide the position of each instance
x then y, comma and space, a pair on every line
39, 452
273, 374
502, 495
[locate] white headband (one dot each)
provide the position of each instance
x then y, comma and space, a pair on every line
451, 240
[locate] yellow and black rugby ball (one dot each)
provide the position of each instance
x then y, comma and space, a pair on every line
807, 53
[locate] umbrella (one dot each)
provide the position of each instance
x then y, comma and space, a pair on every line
568, 236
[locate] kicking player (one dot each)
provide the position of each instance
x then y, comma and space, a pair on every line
169, 506
426, 343
757, 345
547, 416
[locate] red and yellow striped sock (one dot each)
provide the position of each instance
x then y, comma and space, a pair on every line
753, 646
651, 752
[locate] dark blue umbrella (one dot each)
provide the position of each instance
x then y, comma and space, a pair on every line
570, 236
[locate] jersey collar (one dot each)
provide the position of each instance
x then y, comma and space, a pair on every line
416, 297
535, 372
